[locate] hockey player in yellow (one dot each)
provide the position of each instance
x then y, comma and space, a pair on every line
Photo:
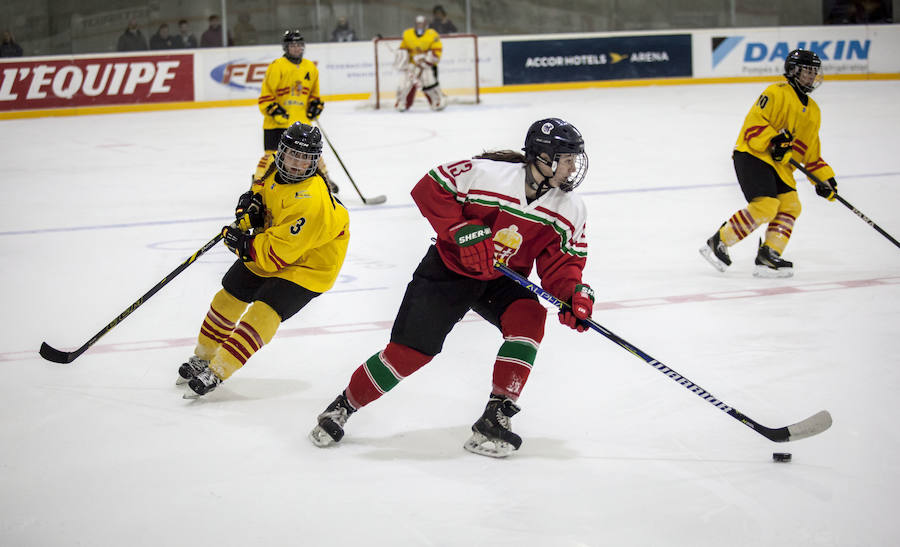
782, 124
290, 93
294, 253
417, 59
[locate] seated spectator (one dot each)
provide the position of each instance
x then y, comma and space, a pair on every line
440, 23
185, 38
212, 36
244, 31
132, 39
9, 47
162, 39
342, 32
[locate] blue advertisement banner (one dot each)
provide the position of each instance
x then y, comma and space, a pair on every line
586, 59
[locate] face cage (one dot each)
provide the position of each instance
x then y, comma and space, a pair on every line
286, 47
807, 77
577, 176
290, 174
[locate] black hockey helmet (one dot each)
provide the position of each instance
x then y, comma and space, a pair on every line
803, 69
554, 137
298, 153
292, 36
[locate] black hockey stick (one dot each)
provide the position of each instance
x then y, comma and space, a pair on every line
813, 425
57, 356
368, 201
838, 197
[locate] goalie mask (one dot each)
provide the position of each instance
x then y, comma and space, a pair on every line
421, 25
298, 153
293, 38
556, 143
802, 68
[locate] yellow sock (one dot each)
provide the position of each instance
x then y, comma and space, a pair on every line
256, 329
218, 324
741, 224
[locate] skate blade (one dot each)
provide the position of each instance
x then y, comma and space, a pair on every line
710, 257
181, 381
191, 395
483, 446
771, 273
320, 437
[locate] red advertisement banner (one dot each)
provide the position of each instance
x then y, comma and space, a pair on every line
96, 81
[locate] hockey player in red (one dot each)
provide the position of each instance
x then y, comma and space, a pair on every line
508, 206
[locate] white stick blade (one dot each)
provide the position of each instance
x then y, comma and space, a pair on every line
813, 425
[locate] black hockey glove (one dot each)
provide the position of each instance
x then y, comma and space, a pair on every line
238, 242
827, 189
250, 203
314, 108
276, 110
780, 145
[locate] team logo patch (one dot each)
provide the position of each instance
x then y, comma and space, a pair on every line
547, 128
506, 243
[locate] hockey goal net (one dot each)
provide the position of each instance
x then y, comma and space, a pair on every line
457, 70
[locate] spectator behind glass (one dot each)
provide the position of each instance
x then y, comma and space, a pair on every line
244, 31
162, 39
342, 32
859, 12
440, 23
185, 38
212, 37
9, 47
132, 39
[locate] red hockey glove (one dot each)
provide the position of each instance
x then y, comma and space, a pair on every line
476, 246
780, 145
581, 305
238, 242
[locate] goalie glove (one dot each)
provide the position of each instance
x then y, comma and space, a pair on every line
425, 60
238, 242
277, 111
250, 203
476, 247
827, 189
581, 304
780, 145
314, 108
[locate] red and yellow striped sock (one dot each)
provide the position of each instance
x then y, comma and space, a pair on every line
256, 329
224, 311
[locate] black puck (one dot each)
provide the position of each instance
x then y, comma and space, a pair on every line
781, 456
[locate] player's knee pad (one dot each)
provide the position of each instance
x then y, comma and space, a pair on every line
524, 317
789, 203
763, 209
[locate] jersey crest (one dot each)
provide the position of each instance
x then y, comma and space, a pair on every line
507, 242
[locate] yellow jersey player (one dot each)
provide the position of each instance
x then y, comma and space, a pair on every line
290, 93
294, 253
782, 124
417, 59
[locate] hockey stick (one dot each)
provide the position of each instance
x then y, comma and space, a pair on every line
813, 425
368, 201
838, 197
57, 356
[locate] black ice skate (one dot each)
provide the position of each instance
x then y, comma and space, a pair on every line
716, 253
192, 367
331, 422
491, 434
770, 264
203, 383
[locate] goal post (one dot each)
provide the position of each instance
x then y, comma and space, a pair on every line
457, 70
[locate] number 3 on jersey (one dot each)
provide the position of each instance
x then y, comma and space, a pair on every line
295, 229
458, 168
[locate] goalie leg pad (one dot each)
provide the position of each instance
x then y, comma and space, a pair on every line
522, 325
436, 98
382, 371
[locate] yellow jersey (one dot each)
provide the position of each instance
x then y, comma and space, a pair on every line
779, 107
291, 85
415, 45
306, 232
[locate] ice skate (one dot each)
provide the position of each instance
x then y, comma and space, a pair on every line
192, 367
330, 429
203, 383
491, 434
716, 253
769, 264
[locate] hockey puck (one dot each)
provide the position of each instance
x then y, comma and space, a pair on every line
781, 456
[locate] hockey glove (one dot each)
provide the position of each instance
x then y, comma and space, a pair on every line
277, 111
780, 145
827, 189
580, 307
238, 242
476, 247
250, 203
314, 108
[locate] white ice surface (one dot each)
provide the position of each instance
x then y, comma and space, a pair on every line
105, 452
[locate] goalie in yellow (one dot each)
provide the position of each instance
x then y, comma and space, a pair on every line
294, 253
290, 93
417, 59
782, 124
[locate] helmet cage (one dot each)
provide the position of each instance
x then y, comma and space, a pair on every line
803, 69
293, 36
550, 139
298, 152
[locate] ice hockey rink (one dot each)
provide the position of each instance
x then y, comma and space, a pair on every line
105, 452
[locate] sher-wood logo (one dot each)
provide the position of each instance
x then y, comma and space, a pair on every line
96, 81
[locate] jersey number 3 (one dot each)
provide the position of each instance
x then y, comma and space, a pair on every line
458, 168
295, 229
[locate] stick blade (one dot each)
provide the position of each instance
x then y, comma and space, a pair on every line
377, 200
56, 356
813, 425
